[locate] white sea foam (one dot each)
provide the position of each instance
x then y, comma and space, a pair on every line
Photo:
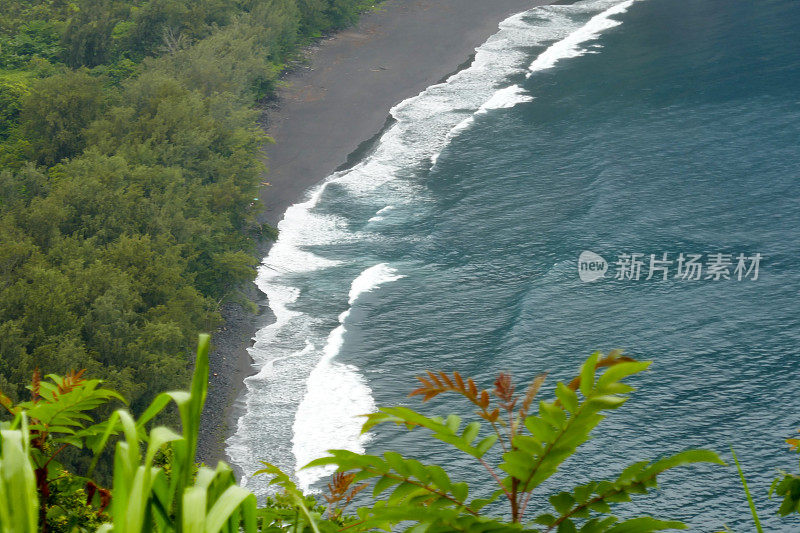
336, 394
505, 98
555, 22
268, 369
305, 388
282, 348
379, 215
571, 45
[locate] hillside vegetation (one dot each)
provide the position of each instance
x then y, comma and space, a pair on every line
129, 164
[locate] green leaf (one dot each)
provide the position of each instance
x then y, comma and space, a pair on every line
750, 501
232, 500
567, 526
619, 372
444, 430
680, 459
562, 502
600, 506
567, 397
471, 432
460, 491
453, 422
397, 463
403, 490
587, 374
540, 429
645, 524
19, 500
606, 402
632, 471
485, 445
384, 483
479, 503
545, 519
418, 470
439, 477
552, 414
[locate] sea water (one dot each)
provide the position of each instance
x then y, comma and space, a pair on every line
628, 129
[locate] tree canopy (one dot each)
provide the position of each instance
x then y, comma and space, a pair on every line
129, 164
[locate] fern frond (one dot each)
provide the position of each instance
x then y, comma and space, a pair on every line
504, 391
36, 381
530, 394
69, 382
438, 383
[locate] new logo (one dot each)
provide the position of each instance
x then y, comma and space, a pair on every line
591, 266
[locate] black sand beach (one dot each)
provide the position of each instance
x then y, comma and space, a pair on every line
326, 110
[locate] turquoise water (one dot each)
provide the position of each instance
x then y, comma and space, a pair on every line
644, 127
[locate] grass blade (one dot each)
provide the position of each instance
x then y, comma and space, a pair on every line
747, 493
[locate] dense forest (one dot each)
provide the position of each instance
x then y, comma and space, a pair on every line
129, 163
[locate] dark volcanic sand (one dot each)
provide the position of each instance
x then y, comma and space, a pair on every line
329, 107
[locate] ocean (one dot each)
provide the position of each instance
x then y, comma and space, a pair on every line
660, 139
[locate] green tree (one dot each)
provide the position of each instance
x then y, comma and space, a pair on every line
12, 89
127, 184
55, 113
87, 40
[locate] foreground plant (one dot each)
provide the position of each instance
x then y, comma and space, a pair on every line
157, 487
788, 486
145, 496
532, 447
190, 500
19, 511
57, 417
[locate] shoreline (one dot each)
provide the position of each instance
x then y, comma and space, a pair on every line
326, 117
